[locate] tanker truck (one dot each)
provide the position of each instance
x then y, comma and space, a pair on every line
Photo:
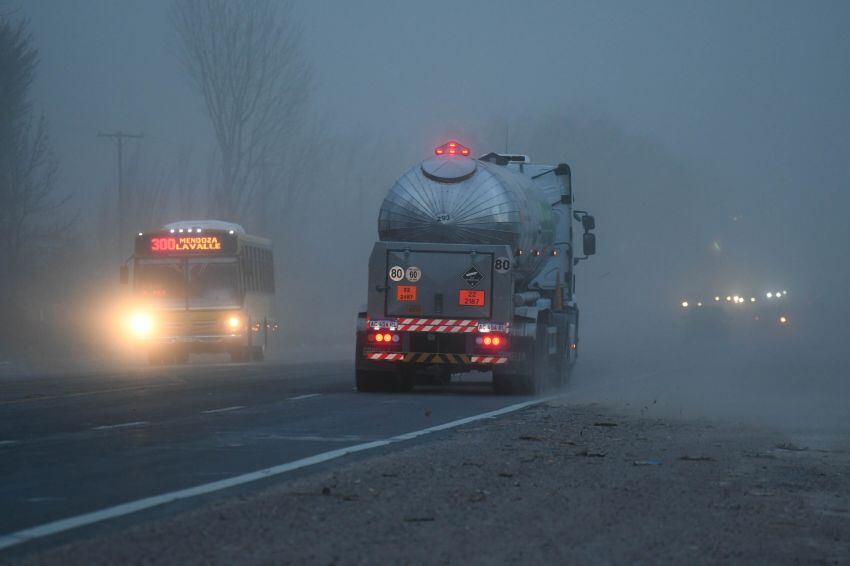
473, 270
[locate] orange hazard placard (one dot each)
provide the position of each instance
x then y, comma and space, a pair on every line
405, 293
471, 298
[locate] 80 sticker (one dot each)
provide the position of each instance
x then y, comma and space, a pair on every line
396, 273
502, 265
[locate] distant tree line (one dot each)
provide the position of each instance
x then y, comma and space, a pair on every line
29, 200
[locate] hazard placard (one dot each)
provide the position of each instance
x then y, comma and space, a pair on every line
471, 298
405, 293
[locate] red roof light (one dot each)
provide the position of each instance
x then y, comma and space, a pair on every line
452, 148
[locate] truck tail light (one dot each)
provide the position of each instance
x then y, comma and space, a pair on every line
492, 341
383, 338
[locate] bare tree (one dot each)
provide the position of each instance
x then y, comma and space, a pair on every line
28, 196
245, 59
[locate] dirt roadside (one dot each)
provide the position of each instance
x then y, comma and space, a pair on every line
557, 483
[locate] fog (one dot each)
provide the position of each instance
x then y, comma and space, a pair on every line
709, 139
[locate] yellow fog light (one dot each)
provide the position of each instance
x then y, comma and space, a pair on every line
141, 324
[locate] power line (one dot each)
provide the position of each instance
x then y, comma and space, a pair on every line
119, 138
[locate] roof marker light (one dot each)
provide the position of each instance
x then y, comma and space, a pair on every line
452, 148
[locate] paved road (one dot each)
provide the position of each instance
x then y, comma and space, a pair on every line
72, 444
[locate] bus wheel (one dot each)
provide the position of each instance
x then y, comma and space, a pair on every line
257, 354
155, 357
181, 356
239, 354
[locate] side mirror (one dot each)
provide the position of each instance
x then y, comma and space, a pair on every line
124, 275
588, 222
588, 243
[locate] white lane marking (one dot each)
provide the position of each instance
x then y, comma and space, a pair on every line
304, 396
121, 425
8, 442
224, 409
47, 529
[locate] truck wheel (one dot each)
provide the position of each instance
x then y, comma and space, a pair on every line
374, 381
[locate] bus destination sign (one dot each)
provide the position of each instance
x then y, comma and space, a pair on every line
185, 244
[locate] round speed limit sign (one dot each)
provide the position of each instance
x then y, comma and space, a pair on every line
502, 265
413, 274
396, 273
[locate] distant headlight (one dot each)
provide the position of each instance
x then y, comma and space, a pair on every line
684, 304
141, 324
783, 319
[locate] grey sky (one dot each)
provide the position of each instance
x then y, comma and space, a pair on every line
752, 96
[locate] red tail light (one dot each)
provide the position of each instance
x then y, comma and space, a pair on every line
492, 341
383, 338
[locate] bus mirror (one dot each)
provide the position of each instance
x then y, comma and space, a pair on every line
588, 222
589, 243
124, 275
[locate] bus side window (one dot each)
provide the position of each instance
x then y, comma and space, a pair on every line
271, 272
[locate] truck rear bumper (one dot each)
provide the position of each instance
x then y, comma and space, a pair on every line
437, 358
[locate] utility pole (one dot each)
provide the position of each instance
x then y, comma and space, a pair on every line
119, 138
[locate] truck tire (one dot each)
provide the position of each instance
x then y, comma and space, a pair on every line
375, 381
536, 374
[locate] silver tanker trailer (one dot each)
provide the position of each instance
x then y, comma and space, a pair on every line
473, 270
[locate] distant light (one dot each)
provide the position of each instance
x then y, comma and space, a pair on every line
728, 298
769, 295
230, 232
140, 233
782, 320
784, 292
198, 230
716, 298
180, 230
752, 299
736, 298
699, 304
684, 304
172, 230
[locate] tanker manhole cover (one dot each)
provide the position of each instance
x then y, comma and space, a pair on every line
473, 276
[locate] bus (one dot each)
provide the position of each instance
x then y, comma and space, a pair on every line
201, 287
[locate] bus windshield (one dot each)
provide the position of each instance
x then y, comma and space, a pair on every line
193, 283
213, 283
162, 281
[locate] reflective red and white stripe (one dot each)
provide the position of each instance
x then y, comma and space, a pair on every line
488, 359
437, 325
387, 356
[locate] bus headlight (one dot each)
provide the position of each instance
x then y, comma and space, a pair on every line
233, 322
141, 324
